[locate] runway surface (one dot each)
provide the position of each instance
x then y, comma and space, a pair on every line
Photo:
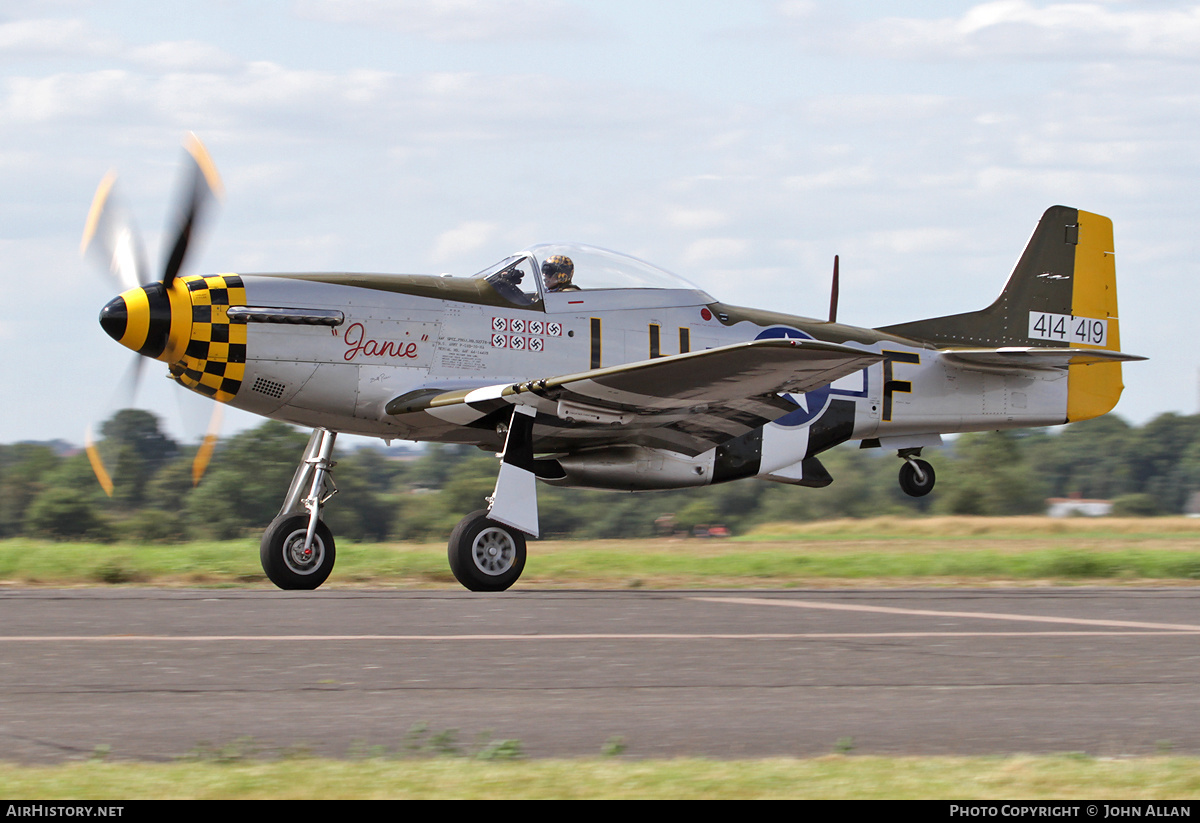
154, 674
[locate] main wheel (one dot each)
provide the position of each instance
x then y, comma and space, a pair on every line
915, 485
486, 556
284, 559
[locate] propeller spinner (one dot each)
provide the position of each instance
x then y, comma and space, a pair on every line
152, 317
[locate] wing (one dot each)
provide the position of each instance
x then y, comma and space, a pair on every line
1034, 357
688, 403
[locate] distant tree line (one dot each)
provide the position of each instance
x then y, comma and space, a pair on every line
1147, 470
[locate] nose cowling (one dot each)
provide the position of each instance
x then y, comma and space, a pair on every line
140, 319
187, 326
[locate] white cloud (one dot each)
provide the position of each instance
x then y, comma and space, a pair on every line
182, 55
914, 241
459, 242
455, 20
877, 109
74, 97
696, 219
438, 110
1007, 29
259, 92
834, 178
714, 251
73, 39
52, 38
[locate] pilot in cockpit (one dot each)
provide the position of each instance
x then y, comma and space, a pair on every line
557, 272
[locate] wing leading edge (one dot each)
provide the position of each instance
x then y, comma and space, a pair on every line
688, 403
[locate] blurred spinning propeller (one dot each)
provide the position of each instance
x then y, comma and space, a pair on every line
151, 316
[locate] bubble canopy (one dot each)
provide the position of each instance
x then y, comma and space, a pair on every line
594, 269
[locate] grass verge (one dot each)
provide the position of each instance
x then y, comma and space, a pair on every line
874, 552
835, 776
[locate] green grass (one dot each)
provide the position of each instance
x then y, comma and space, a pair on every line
880, 551
834, 776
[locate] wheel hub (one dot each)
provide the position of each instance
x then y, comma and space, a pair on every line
493, 551
299, 559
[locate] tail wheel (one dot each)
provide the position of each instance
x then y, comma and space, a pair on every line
285, 560
486, 556
916, 478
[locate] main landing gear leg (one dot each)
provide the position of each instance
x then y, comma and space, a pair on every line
297, 549
916, 476
487, 548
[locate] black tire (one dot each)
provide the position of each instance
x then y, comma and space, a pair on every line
281, 552
913, 486
486, 556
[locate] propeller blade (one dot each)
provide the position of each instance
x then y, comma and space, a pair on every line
833, 293
132, 382
204, 187
123, 397
111, 236
97, 464
208, 445
200, 414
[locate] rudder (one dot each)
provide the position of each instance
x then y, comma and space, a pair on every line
1094, 390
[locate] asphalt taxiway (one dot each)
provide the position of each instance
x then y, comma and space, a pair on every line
154, 674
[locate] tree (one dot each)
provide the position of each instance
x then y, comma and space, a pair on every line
990, 476
1091, 458
60, 513
140, 430
23, 467
133, 450
1157, 456
361, 510
248, 480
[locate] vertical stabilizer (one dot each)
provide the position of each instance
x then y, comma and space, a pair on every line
1062, 293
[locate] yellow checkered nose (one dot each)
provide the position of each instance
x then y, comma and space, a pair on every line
212, 360
187, 326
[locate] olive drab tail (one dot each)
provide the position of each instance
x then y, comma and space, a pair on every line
1062, 293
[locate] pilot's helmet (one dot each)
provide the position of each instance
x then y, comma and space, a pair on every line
557, 271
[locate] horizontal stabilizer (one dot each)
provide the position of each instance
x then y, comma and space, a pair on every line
1029, 357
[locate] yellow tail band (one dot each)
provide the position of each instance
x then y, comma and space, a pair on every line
1094, 390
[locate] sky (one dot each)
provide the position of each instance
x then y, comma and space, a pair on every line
738, 143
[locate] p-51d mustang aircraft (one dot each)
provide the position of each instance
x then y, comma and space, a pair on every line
582, 367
